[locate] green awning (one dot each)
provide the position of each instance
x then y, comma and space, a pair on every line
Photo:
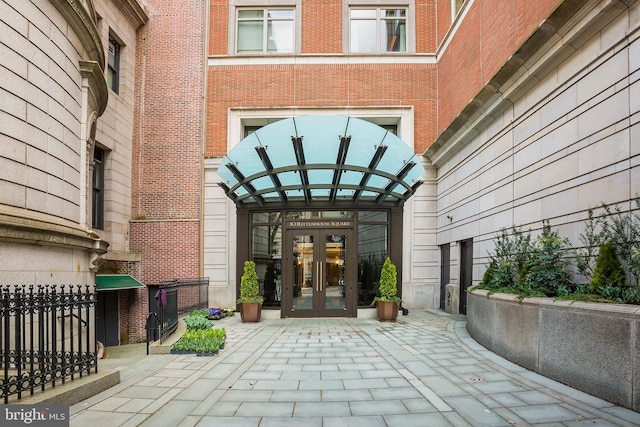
114, 282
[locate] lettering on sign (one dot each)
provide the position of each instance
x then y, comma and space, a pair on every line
327, 224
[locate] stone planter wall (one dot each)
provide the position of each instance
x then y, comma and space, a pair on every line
592, 347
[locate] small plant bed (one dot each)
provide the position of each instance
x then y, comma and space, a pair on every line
215, 313
605, 267
200, 338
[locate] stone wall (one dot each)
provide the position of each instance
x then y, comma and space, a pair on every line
593, 347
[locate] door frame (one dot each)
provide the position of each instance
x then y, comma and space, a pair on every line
108, 318
466, 272
318, 289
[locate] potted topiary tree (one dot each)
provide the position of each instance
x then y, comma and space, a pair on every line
250, 300
387, 302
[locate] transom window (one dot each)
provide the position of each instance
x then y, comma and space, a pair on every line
378, 30
265, 31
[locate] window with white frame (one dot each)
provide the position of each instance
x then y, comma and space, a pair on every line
456, 5
265, 31
378, 30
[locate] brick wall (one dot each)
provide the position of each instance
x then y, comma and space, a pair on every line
219, 24
167, 146
426, 25
490, 33
322, 26
169, 249
320, 85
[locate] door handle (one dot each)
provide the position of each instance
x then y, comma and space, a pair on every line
319, 276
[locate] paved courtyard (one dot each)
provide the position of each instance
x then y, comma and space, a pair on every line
423, 370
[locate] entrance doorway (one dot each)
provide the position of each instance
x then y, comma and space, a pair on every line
319, 275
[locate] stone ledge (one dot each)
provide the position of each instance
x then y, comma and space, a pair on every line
72, 392
593, 347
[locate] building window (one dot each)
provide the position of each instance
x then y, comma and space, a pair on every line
456, 5
378, 30
265, 31
97, 208
113, 65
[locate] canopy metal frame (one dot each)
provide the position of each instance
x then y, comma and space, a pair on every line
386, 159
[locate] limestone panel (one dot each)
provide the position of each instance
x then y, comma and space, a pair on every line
606, 152
634, 95
601, 77
559, 106
609, 189
603, 114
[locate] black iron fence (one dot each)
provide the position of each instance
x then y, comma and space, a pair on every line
47, 336
171, 298
192, 294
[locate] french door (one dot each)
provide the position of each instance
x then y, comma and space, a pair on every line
319, 277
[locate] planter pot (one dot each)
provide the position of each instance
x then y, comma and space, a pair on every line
387, 311
250, 312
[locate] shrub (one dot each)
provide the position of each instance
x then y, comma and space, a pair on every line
197, 322
608, 271
200, 341
546, 269
388, 282
623, 230
249, 287
508, 260
591, 239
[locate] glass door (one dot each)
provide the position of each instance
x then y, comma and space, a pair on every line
319, 276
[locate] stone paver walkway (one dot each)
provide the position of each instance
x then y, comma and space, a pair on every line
423, 370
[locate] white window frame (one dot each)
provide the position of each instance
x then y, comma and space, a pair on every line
456, 7
408, 5
265, 20
379, 24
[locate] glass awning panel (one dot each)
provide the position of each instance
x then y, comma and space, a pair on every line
320, 160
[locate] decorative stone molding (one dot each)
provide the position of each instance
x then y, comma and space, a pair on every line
82, 17
133, 11
97, 86
39, 232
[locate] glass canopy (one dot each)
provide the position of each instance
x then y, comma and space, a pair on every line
320, 160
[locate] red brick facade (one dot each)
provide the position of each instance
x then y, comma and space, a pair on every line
488, 35
319, 85
167, 150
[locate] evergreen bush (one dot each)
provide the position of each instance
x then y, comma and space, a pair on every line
608, 271
388, 282
249, 286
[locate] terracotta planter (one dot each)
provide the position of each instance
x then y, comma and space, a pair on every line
387, 311
250, 311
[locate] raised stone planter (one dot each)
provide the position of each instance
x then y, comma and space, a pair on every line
592, 347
